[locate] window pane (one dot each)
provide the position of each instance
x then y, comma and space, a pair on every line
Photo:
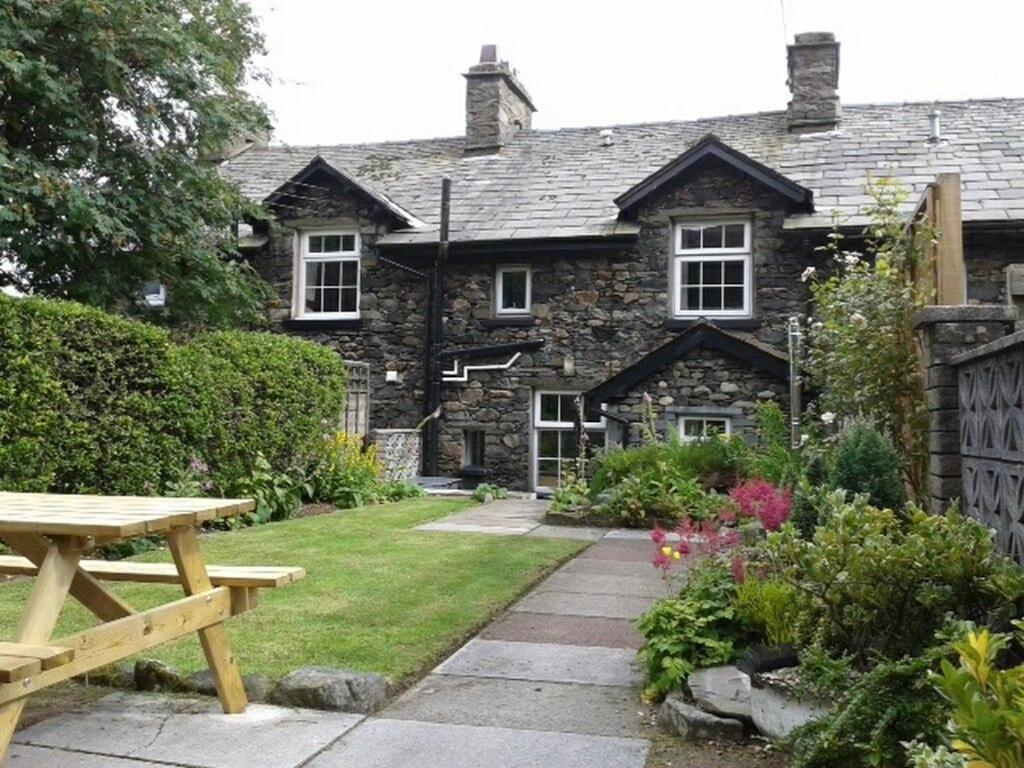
547, 443
316, 244
712, 236
349, 273
714, 426
568, 412
712, 272
734, 235
314, 300
547, 473
691, 298
348, 243
549, 407
349, 300
692, 273
692, 427
513, 289
332, 243
734, 272
570, 444
332, 273
332, 300
711, 298
733, 298
689, 237
314, 274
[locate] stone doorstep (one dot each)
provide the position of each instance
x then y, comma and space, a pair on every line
191, 732
544, 662
564, 630
389, 743
522, 704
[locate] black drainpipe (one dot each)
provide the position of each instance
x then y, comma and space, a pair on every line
433, 366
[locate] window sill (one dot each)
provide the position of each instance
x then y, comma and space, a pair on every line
735, 323
509, 321
313, 324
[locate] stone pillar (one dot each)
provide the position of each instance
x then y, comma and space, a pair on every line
945, 332
813, 80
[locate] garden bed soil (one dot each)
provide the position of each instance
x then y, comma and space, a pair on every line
672, 752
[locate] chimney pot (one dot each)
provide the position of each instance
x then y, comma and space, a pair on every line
497, 105
934, 130
813, 60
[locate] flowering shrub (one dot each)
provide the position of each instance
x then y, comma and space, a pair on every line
347, 474
762, 501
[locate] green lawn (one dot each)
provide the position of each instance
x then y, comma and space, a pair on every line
378, 596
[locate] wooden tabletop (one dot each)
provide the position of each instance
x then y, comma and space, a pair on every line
109, 517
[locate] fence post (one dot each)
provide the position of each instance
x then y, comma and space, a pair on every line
944, 332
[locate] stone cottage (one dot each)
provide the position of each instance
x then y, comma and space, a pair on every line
611, 262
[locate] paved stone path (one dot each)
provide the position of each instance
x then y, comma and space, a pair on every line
550, 683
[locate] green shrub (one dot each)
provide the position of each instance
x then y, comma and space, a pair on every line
347, 473
714, 462
880, 587
93, 403
635, 500
278, 495
486, 492
696, 629
399, 490
766, 607
866, 462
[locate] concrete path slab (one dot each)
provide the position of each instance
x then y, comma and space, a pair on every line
609, 567
635, 534
567, 532
651, 586
622, 551
565, 630
491, 530
389, 743
22, 756
574, 604
522, 704
192, 732
545, 662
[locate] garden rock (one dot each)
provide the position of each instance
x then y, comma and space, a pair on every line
777, 711
693, 724
721, 691
257, 687
332, 689
153, 675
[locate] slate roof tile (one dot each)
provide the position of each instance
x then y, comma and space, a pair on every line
563, 182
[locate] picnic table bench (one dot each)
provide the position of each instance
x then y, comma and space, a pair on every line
52, 532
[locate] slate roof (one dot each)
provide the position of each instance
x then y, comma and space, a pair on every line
563, 183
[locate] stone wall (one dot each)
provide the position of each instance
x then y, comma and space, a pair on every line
946, 332
399, 452
987, 255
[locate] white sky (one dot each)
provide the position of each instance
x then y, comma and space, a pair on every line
345, 71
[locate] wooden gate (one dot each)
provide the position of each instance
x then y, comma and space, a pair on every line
357, 405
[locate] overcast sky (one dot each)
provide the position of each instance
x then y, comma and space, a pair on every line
345, 72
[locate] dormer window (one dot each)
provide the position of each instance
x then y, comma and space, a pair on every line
512, 289
712, 269
329, 275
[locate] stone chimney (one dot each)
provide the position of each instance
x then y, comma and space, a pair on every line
497, 105
813, 79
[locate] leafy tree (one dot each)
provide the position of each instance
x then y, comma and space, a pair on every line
108, 111
864, 355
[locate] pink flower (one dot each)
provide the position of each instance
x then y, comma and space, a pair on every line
658, 536
726, 515
738, 569
760, 499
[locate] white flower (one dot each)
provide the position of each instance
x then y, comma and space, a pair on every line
828, 417
804, 439
818, 325
808, 274
858, 319
851, 260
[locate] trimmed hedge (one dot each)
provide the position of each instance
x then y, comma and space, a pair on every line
94, 403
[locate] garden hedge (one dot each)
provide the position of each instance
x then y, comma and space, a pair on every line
94, 403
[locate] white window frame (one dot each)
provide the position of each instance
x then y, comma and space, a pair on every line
499, 284
704, 418
540, 425
684, 256
340, 256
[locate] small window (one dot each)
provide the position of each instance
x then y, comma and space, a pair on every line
154, 295
329, 275
712, 270
701, 427
473, 443
512, 289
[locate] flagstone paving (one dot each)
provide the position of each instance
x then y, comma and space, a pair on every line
553, 682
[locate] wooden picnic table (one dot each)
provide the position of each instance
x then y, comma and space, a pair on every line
50, 534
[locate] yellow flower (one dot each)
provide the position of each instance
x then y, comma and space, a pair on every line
675, 555
666, 551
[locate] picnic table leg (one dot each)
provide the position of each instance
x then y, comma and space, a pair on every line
42, 610
85, 587
184, 546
